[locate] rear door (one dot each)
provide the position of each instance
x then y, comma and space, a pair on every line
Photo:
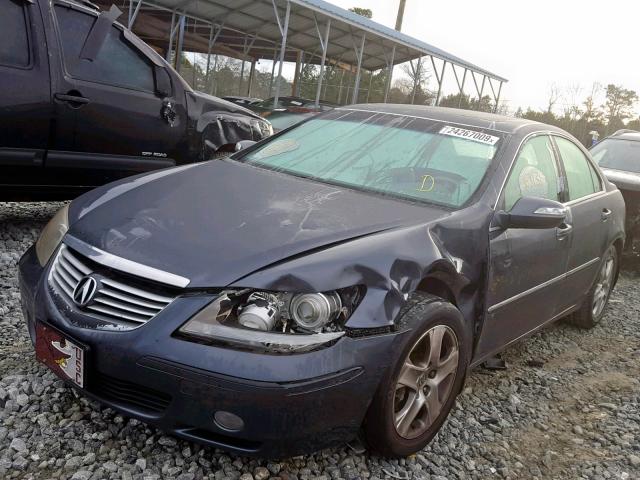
118, 126
25, 98
526, 266
590, 212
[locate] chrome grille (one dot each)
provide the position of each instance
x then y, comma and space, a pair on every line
114, 301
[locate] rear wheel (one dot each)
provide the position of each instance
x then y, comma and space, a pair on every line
592, 310
416, 395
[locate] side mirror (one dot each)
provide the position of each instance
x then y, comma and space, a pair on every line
533, 212
242, 144
163, 82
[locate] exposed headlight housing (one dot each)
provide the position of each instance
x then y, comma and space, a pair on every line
279, 322
51, 235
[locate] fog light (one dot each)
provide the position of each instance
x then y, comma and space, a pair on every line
228, 421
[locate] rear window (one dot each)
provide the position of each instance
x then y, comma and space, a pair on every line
413, 158
618, 154
14, 40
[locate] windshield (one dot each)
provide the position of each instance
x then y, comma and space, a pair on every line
618, 154
413, 158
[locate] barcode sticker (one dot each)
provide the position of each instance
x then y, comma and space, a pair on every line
469, 135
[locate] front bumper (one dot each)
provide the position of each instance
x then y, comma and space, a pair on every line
290, 404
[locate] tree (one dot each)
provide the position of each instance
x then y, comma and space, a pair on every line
618, 105
554, 95
419, 77
364, 12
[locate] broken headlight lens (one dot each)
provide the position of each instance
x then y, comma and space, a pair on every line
275, 321
51, 235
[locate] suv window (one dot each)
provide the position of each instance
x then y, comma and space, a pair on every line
534, 173
581, 176
117, 62
14, 40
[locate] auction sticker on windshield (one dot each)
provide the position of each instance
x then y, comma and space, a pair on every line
469, 135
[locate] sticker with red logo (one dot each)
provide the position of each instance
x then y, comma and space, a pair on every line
60, 354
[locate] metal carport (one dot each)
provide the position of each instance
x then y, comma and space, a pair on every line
282, 30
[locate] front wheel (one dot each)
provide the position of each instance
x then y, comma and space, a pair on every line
417, 394
592, 310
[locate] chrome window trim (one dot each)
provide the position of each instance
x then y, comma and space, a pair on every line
124, 265
540, 286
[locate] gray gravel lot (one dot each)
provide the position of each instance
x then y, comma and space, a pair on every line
568, 406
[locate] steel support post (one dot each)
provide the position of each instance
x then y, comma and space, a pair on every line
241, 78
460, 85
172, 32
283, 30
356, 85
496, 98
416, 73
181, 24
132, 17
324, 44
295, 87
273, 71
252, 74
440, 78
387, 85
340, 88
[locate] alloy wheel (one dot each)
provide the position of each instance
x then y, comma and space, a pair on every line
425, 381
603, 285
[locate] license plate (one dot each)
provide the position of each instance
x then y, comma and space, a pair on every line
63, 356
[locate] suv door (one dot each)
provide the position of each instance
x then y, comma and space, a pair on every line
119, 127
25, 97
525, 265
590, 213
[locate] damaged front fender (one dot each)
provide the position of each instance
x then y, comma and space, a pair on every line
217, 125
392, 264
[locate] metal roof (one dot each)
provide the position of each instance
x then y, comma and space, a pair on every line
250, 27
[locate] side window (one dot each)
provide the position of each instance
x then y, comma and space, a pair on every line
581, 177
534, 173
14, 40
117, 62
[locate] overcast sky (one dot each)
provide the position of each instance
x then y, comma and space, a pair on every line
533, 44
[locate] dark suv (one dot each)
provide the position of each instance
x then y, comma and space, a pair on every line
619, 158
83, 101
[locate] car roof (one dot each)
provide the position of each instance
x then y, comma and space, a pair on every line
626, 135
470, 118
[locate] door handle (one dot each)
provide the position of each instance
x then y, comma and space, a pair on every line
74, 100
606, 213
563, 231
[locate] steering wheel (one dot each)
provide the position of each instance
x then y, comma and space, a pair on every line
426, 180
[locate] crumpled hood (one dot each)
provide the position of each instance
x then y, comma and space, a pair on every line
209, 102
219, 221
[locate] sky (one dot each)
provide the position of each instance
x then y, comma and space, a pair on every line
532, 44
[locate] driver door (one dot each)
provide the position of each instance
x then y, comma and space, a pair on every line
526, 266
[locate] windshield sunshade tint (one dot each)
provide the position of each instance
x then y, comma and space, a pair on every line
406, 157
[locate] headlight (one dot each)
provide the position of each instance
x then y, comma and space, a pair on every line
274, 321
266, 128
52, 234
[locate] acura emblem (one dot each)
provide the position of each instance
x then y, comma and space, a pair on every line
85, 291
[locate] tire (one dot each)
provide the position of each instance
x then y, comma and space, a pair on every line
588, 316
428, 317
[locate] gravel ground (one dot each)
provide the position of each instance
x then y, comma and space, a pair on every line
568, 406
